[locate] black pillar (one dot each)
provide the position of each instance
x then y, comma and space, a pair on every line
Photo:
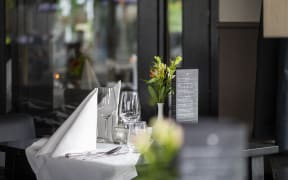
147, 49
266, 86
196, 47
282, 99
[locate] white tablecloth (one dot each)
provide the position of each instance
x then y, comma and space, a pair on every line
120, 167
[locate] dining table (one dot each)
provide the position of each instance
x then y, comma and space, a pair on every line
119, 166
20, 154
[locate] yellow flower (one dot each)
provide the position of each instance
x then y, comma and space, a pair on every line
166, 132
167, 138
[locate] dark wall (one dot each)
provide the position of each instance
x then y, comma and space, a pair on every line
248, 67
237, 71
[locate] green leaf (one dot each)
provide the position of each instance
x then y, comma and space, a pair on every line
153, 95
178, 59
157, 59
170, 90
162, 94
151, 81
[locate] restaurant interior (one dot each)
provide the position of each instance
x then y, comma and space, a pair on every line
143, 89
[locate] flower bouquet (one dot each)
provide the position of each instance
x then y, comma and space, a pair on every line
160, 82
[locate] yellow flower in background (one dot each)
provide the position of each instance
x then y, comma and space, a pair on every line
163, 145
167, 133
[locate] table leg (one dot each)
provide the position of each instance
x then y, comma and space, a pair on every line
257, 166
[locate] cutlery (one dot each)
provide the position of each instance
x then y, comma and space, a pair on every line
87, 154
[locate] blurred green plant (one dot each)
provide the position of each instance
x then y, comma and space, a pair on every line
159, 154
10, 4
160, 82
175, 16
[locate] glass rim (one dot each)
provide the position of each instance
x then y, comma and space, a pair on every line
101, 88
129, 92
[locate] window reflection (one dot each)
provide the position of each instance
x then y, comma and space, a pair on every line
175, 27
67, 47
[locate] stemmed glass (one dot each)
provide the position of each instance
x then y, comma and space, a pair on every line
106, 108
129, 111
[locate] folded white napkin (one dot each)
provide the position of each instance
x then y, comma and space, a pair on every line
113, 120
77, 133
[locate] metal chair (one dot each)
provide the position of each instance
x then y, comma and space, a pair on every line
15, 127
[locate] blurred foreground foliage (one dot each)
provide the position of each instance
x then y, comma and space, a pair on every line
159, 151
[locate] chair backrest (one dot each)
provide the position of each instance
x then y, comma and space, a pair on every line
16, 127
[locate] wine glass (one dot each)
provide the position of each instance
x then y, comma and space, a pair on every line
129, 111
106, 108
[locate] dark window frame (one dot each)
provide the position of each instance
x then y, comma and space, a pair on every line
2, 58
214, 57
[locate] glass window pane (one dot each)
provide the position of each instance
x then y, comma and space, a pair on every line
65, 48
175, 27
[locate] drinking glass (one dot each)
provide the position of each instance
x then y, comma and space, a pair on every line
120, 133
139, 128
106, 108
129, 111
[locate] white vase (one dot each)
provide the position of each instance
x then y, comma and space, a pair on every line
160, 111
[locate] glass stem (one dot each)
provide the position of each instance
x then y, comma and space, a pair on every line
106, 127
105, 124
129, 136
